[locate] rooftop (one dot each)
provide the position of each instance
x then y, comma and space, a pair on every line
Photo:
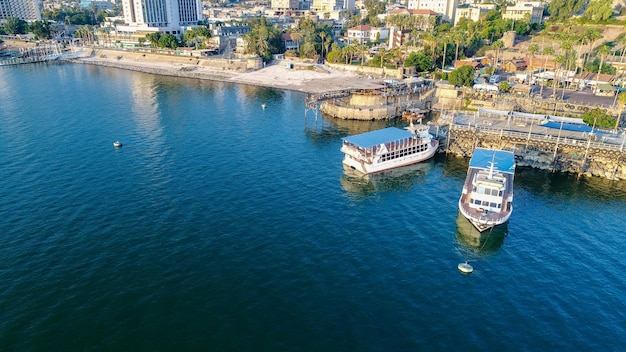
504, 161
370, 139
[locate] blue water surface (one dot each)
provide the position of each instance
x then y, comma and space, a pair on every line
223, 226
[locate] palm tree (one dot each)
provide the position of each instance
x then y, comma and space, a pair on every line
560, 60
362, 48
262, 45
85, 33
546, 51
582, 40
457, 38
296, 37
444, 39
604, 51
532, 50
498, 45
327, 44
396, 55
322, 36
592, 35
383, 54
567, 46
621, 100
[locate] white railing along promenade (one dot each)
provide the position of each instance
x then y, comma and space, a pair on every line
539, 137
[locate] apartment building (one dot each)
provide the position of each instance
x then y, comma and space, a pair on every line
27, 10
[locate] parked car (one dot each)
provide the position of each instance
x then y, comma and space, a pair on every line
494, 79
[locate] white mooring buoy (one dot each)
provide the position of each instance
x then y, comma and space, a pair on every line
117, 144
465, 267
263, 106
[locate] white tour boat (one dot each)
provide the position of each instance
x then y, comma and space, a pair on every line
486, 200
388, 148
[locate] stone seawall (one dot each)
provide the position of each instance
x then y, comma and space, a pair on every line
362, 106
360, 113
571, 156
187, 69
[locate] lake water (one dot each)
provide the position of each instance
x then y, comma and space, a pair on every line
223, 226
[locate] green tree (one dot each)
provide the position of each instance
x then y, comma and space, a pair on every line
599, 10
598, 118
462, 76
168, 41
504, 87
85, 33
334, 56
41, 29
263, 39
421, 61
591, 35
563, 9
374, 8
153, 38
197, 36
297, 37
14, 25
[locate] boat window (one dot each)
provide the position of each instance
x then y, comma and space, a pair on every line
481, 190
499, 206
500, 193
485, 203
493, 205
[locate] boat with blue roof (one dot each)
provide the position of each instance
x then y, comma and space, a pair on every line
487, 196
388, 148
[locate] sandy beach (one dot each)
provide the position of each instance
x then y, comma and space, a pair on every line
275, 75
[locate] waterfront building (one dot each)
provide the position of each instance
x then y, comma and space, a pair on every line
27, 10
472, 11
285, 5
168, 16
364, 33
428, 17
332, 5
447, 8
528, 11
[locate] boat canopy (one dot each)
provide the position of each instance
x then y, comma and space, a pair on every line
370, 139
504, 161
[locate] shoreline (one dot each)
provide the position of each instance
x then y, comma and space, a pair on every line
274, 75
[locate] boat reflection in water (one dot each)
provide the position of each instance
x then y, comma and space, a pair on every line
483, 243
393, 179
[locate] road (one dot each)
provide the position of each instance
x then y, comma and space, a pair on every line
585, 97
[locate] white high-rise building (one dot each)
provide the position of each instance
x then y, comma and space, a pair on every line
332, 5
27, 10
168, 16
445, 7
285, 4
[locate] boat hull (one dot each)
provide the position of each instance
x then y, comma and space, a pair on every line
484, 222
368, 168
487, 196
